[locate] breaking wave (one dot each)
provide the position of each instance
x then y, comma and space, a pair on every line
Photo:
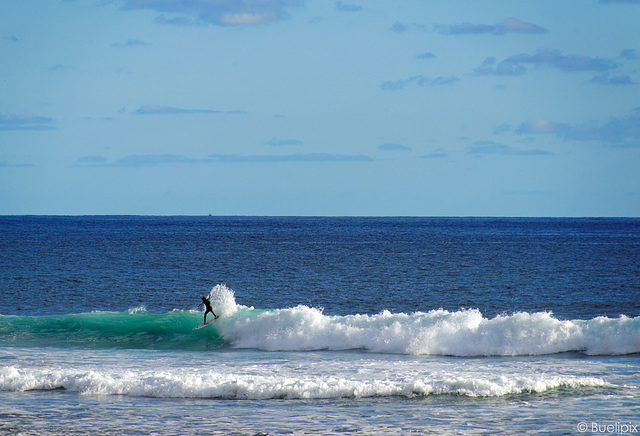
211, 384
437, 332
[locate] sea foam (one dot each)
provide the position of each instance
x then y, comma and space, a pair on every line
438, 332
212, 384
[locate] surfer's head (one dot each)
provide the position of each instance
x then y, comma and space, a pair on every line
204, 298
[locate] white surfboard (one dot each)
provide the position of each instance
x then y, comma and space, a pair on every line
205, 324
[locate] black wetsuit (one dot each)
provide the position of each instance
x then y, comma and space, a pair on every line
207, 304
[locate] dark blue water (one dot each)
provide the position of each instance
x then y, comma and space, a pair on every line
577, 268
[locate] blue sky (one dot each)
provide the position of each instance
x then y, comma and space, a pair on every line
285, 107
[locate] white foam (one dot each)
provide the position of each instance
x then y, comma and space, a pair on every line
135, 310
438, 332
223, 301
212, 384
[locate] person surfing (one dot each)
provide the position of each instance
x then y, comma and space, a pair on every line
207, 304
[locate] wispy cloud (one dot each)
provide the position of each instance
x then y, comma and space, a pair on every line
59, 67
426, 55
25, 122
276, 142
151, 109
605, 79
490, 67
5, 164
394, 147
421, 81
399, 27
571, 62
619, 132
347, 7
517, 65
502, 128
152, 160
132, 42
510, 25
218, 12
538, 126
137, 160
177, 20
309, 157
484, 148
92, 160
436, 154
629, 54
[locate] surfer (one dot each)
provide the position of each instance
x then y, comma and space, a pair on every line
207, 305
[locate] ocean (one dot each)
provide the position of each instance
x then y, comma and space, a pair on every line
343, 326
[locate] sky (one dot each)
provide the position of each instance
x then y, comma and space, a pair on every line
319, 107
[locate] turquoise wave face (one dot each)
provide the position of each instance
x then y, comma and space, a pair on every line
130, 329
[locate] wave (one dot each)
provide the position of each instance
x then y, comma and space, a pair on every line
211, 384
135, 328
437, 332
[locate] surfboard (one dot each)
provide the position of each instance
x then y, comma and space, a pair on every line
205, 324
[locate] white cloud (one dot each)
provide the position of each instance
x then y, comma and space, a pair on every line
219, 12
418, 81
25, 122
540, 126
246, 19
516, 65
618, 132
510, 25
483, 148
